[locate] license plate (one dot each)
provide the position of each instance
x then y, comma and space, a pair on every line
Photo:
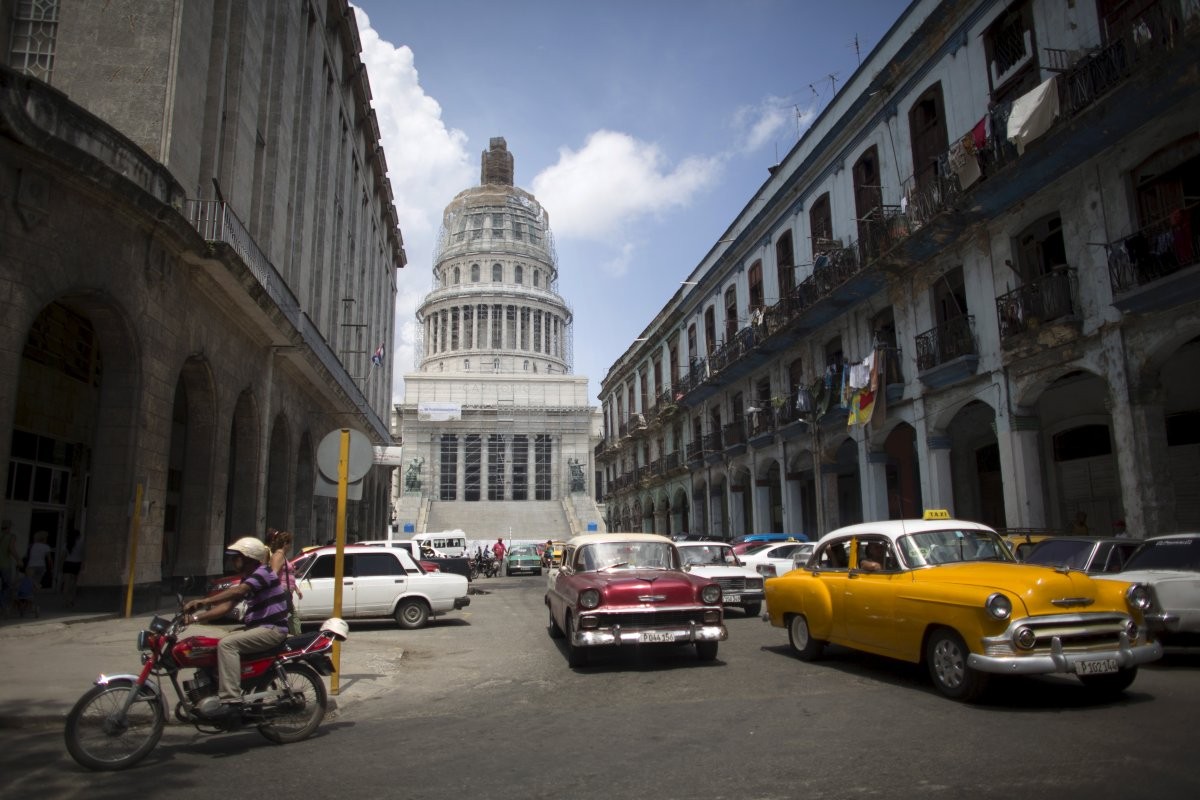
653, 637
1097, 666
733, 598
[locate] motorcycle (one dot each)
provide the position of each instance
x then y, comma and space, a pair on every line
119, 721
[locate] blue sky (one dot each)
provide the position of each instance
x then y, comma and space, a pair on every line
642, 126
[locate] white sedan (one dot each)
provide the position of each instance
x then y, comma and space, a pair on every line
740, 585
376, 582
777, 558
1169, 566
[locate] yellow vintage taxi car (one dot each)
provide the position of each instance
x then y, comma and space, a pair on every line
948, 593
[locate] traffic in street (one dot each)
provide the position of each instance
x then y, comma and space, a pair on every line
482, 703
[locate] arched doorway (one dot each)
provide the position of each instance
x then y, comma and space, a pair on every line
241, 504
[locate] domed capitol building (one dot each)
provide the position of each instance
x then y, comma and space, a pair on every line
497, 432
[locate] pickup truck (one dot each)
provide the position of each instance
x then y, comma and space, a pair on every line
458, 566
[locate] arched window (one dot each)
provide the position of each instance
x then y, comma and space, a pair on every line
537, 278
527, 365
474, 273
496, 364
466, 365
497, 273
519, 273
457, 276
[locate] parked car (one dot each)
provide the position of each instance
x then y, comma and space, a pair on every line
1092, 554
630, 589
524, 559
1169, 566
741, 586
775, 558
413, 548
377, 582
948, 593
1021, 543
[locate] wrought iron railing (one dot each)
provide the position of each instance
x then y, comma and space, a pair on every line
734, 433
1155, 251
950, 340
216, 222
1050, 297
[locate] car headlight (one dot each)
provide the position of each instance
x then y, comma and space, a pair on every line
711, 594
1132, 631
999, 606
754, 583
1138, 596
589, 598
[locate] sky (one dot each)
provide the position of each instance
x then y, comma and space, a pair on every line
643, 127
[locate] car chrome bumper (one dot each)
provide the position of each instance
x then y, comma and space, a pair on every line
1126, 655
461, 602
616, 635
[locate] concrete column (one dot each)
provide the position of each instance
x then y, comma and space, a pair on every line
1021, 468
874, 483
1139, 434
937, 490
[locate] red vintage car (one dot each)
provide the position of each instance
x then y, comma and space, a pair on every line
630, 589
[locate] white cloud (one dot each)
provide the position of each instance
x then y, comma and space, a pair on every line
758, 126
427, 165
613, 180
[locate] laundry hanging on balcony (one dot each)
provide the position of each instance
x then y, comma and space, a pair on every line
1033, 113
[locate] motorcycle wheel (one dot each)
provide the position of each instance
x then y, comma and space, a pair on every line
96, 740
299, 715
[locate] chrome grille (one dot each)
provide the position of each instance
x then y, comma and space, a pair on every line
738, 584
1078, 633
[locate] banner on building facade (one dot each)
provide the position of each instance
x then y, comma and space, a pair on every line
438, 412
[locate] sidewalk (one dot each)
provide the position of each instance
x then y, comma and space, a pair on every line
49, 661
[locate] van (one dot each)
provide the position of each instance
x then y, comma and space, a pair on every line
445, 543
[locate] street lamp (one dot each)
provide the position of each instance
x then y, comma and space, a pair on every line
806, 407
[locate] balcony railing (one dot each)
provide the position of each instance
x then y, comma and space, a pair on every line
734, 433
671, 461
695, 451
1155, 251
948, 341
216, 222
1048, 298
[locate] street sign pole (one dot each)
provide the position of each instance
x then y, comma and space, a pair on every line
339, 561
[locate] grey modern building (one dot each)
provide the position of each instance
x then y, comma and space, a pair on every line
972, 284
498, 434
198, 265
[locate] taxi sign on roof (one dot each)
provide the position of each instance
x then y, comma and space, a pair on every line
936, 513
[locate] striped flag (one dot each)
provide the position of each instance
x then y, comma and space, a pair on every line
377, 359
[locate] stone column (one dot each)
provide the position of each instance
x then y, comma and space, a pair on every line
874, 483
937, 490
1139, 434
1022, 471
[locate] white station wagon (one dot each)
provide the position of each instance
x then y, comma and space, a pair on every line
376, 582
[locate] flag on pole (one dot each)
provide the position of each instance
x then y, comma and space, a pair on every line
377, 359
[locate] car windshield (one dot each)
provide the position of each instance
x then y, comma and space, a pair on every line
758, 548
1060, 553
952, 546
523, 550
708, 555
1167, 554
627, 555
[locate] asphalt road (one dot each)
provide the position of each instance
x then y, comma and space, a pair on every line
484, 705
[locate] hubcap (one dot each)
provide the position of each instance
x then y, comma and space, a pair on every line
800, 632
948, 663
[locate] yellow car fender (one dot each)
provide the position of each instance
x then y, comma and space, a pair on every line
796, 592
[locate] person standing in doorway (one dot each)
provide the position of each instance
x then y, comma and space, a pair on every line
40, 561
72, 564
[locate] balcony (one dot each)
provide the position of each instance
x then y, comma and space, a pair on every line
1157, 267
1049, 299
695, 451
947, 354
733, 437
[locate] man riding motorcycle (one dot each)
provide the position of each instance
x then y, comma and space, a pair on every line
265, 619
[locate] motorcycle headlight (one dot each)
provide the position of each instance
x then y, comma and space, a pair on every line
1138, 596
999, 606
711, 594
143, 640
589, 598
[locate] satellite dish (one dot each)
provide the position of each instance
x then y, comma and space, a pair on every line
362, 456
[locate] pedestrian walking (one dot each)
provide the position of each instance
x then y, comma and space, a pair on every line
72, 565
39, 562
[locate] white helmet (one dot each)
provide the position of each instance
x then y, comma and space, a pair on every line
337, 628
250, 547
